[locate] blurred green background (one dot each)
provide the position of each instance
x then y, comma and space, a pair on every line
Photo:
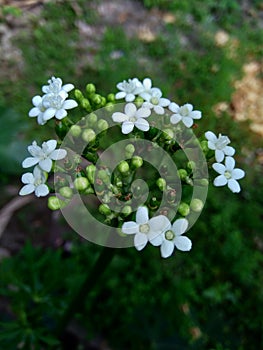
208, 53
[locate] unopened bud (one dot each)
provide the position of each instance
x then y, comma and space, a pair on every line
123, 167
161, 183
191, 165
81, 183
139, 101
91, 89
75, 130
54, 203
184, 209
78, 94
88, 135
109, 107
136, 162
103, 125
196, 205
129, 150
168, 134
126, 210
182, 173
104, 209
85, 104
66, 192
92, 119
90, 170
96, 98
204, 146
111, 97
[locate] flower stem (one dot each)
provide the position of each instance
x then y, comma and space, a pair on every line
85, 287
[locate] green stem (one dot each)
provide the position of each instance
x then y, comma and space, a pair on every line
88, 283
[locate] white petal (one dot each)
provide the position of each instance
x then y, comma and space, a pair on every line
174, 107
46, 164
158, 110
196, 115
159, 223
27, 178
220, 168
164, 102
41, 190
147, 83
127, 127
40, 119
175, 118
68, 87
156, 239
38, 173
120, 95
183, 243
230, 163
27, 189
238, 174
167, 248
30, 161
69, 104
145, 95
220, 181
119, 117
34, 112
188, 122
229, 151
147, 105
210, 136
142, 124
219, 155
129, 97
52, 144
140, 240
130, 228
143, 113
180, 226
233, 185
61, 113
188, 106
58, 154
130, 109
211, 145
142, 216
49, 113
36, 100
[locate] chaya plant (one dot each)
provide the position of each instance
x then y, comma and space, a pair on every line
127, 168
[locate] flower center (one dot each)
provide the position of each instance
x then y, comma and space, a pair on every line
184, 111
53, 101
144, 228
129, 86
227, 175
132, 119
169, 235
154, 100
222, 142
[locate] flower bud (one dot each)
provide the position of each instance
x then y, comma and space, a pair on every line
66, 192
109, 107
91, 89
184, 209
204, 146
103, 101
104, 209
111, 98
196, 205
126, 210
78, 94
123, 167
139, 101
102, 125
161, 183
85, 104
96, 99
191, 165
81, 183
90, 170
182, 173
136, 162
75, 130
54, 203
168, 134
129, 150
92, 119
88, 135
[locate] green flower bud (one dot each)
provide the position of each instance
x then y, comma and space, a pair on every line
204, 146
136, 162
85, 104
75, 130
161, 183
88, 190
66, 192
104, 209
103, 125
203, 182
184, 209
96, 99
191, 165
81, 183
123, 167
78, 94
129, 150
168, 134
196, 205
109, 107
139, 101
111, 98
91, 89
182, 173
90, 170
54, 203
92, 119
88, 135
103, 101
189, 181
126, 210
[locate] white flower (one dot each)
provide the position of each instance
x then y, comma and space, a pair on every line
38, 110
129, 89
155, 101
44, 155
34, 183
228, 174
219, 145
172, 237
146, 230
184, 113
132, 117
55, 86
56, 105
147, 88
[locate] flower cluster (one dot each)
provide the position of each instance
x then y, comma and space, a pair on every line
53, 103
